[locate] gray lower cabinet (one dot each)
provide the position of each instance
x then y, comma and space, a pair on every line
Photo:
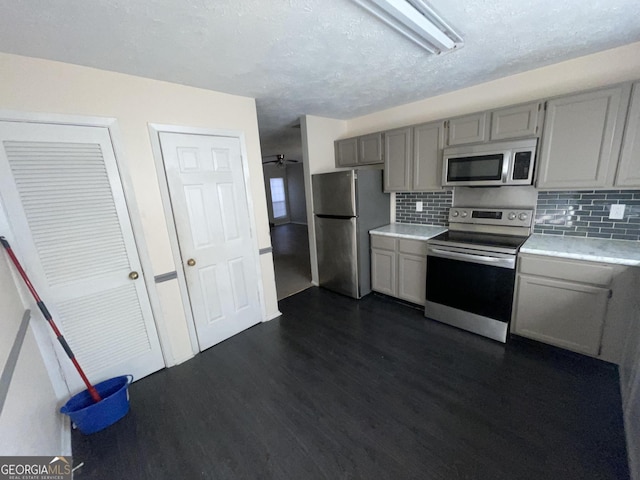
399, 267
629, 168
413, 157
582, 138
383, 271
562, 302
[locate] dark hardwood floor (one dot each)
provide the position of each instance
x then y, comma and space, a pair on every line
291, 258
338, 388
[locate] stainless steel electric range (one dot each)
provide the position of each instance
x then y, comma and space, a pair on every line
471, 269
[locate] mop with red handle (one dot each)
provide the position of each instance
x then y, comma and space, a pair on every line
92, 391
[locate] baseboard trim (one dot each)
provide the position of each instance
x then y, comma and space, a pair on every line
272, 317
65, 441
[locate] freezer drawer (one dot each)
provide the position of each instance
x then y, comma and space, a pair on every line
336, 243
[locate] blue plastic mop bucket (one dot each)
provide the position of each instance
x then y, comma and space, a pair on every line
91, 417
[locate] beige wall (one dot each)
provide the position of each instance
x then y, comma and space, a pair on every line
591, 71
28, 423
34, 85
318, 134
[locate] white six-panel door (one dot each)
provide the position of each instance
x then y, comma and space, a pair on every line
209, 201
69, 224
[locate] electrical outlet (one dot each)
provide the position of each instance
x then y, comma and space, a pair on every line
617, 212
418, 206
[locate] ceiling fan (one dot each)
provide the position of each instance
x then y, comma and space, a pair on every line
280, 161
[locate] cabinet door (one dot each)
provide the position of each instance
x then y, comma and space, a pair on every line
428, 142
383, 271
346, 152
566, 314
397, 160
412, 277
515, 122
370, 149
581, 139
629, 168
468, 129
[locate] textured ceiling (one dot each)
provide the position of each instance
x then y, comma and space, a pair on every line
321, 57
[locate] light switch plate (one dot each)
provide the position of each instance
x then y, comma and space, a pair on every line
617, 212
418, 206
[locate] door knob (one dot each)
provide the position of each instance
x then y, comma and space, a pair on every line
191, 262
133, 275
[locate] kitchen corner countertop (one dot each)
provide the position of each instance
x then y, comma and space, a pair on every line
409, 230
622, 252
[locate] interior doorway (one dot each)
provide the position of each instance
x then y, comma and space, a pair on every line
285, 190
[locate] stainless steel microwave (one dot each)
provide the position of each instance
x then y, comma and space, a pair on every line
490, 164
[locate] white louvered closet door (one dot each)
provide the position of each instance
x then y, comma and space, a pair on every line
70, 228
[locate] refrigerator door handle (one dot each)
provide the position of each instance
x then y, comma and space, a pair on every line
337, 217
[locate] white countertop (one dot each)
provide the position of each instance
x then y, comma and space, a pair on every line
622, 252
409, 230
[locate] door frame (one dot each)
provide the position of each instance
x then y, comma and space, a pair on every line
154, 134
111, 124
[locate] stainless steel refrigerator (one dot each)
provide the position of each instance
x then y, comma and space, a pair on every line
346, 205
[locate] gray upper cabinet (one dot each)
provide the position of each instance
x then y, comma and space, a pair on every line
582, 138
629, 168
515, 122
370, 149
428, 142
346, 152
468, 129
363, 150
397, 160
413, 157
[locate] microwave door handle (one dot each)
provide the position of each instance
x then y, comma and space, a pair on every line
482, 259
506, 161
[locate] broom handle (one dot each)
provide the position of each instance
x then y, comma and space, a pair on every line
92, 391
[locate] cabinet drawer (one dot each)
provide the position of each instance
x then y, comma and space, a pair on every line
380, 241
565, 269
414, 247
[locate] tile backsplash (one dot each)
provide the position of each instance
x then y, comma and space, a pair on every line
569, 213
435, 207
586, 214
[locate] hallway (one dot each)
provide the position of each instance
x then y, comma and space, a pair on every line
291, 259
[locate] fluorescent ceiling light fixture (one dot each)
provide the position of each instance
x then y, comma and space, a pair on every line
417, 21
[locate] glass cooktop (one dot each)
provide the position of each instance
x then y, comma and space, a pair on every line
480, 241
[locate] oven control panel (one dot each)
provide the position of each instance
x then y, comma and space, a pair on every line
510, 217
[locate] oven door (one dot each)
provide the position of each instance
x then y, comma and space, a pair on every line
470, 289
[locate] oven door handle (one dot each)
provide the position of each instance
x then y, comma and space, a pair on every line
503, 262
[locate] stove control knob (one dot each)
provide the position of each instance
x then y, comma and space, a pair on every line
464, 214
454, 213
523, 216
512, 215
